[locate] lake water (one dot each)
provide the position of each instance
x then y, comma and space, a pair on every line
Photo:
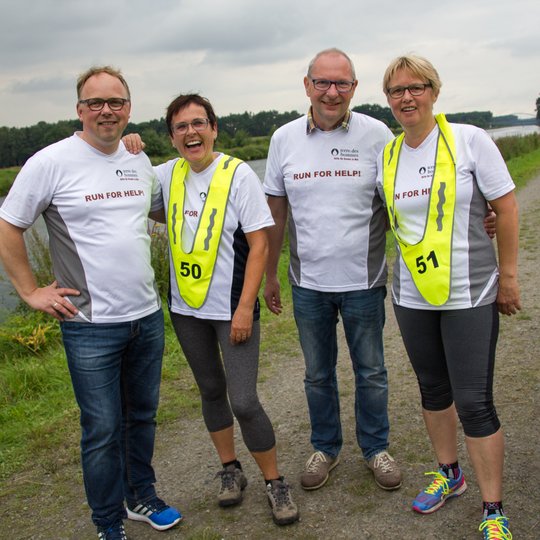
513, 131
8, 298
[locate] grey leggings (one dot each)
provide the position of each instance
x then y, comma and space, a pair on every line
453, 355
232, 372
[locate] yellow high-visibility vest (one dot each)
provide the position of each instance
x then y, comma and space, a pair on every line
194, 270
429, 260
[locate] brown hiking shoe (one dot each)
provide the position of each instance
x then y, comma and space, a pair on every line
233, 483
317, 470
284, 511
386, 471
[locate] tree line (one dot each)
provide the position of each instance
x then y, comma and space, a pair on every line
235, 130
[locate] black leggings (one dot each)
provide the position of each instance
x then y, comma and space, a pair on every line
201, 340
453, 355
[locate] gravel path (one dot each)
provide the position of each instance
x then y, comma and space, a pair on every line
50, 504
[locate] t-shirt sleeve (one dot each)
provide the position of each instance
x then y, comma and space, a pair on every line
379, 180
491, 172
30, 195
252, 208
157, 195
273, 179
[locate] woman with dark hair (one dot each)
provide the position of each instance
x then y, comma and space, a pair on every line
217, 217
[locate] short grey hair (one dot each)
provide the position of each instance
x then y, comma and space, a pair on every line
332, 50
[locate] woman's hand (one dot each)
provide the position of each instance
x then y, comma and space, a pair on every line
241, 325
133, 143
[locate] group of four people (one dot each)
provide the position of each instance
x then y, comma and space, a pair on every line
330, 174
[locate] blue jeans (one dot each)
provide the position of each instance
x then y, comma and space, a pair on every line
363, 316
116, 370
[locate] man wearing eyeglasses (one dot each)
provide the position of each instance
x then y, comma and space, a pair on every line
95, 198
321, 171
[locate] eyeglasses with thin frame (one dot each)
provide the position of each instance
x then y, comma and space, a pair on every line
96, 104
324, 84
417, 89
198, 124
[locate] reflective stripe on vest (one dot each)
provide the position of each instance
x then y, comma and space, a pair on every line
194, 270
429, 260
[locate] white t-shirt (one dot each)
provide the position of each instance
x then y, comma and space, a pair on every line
95, 207
247, 211
336, 217
481, 176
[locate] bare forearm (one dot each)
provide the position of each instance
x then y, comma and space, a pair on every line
278, 206
255, 267
507, 235
507, 245
508, 295
275, 243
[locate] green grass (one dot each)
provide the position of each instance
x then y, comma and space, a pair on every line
523, 168
6, 179
37, 410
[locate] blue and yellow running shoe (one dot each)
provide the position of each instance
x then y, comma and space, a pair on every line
495, 527
440, 489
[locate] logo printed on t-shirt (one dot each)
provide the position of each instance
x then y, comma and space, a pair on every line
345, 154
127, 174
426, 172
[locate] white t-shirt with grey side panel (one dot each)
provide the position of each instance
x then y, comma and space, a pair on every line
247, 211
95, 208
481, 175
336, 216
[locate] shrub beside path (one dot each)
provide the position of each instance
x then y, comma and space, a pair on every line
50, 504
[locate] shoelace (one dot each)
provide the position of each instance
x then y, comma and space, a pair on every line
114, 533
314, 461
440, 482
281, 492
227, 479
384, 462
155, 505
495, 529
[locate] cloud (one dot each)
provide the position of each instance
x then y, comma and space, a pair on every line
253, 56
40, 85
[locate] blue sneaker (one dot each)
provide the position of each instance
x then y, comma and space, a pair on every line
114, 532
495, 527
156, 513
440, 489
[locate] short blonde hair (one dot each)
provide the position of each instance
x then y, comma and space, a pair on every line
96, 70
418, 66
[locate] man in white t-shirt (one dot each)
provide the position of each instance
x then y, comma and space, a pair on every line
95, 198
321, 173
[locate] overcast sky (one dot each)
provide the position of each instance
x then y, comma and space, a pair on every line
251, 55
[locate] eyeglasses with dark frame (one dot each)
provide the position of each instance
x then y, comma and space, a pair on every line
96, 104
198, 124
417, 89
324, 84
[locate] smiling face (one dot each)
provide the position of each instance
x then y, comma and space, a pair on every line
414, 113
103, 129
196, 147
329, 106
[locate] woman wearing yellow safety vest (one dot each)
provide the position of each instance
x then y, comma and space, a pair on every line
437, 180
216, 215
